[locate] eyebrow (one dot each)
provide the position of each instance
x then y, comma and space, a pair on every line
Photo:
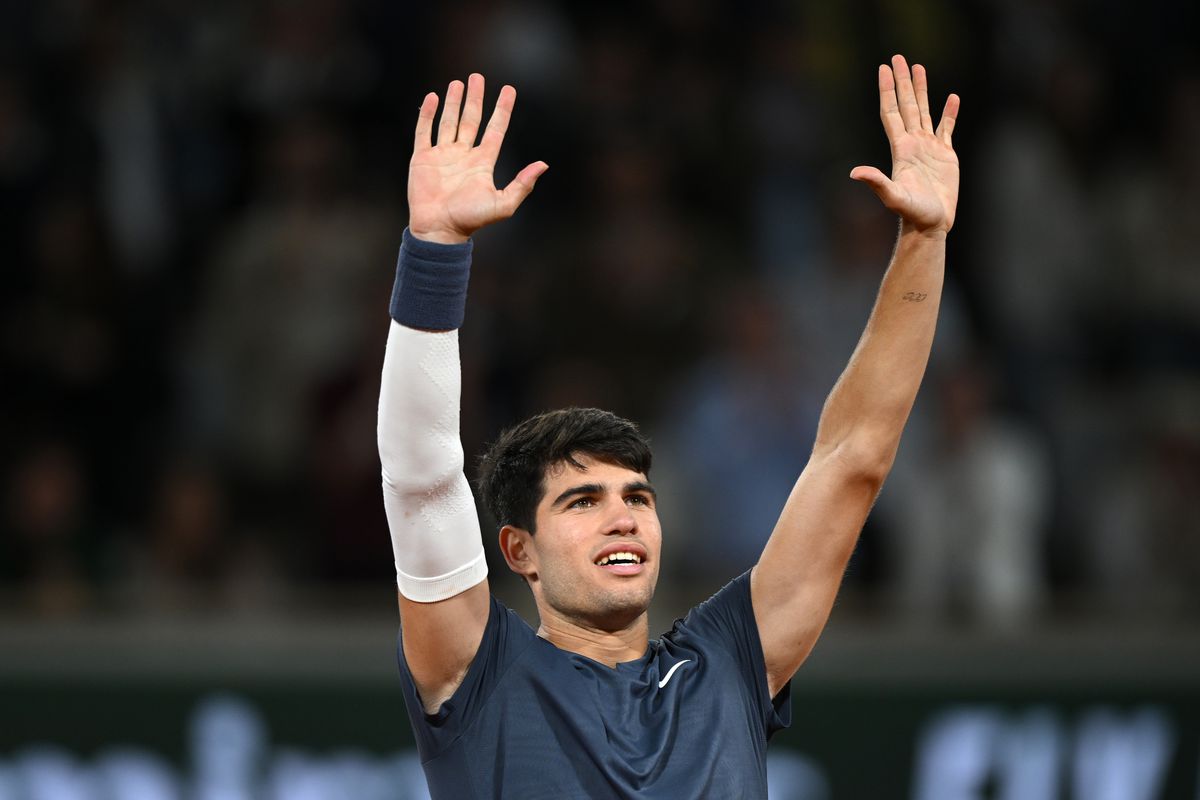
599, 488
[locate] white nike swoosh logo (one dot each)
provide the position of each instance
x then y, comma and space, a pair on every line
671, 672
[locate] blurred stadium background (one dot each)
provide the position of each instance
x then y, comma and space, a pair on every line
200, 206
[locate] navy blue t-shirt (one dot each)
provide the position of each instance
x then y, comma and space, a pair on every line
689, 719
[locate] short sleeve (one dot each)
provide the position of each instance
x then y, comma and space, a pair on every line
728, 619
504, 640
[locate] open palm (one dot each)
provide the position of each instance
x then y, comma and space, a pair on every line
923, 188
451, 191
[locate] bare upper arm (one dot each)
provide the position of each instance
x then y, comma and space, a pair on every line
440, 641
796, 580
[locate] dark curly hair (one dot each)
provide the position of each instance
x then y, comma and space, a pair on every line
512, 473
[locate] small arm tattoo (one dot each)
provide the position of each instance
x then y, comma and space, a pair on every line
914, 297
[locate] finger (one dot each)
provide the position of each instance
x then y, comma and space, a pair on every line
880, 184
468, 126
425, 122
519, 188
949, 116
889, 112
493, 136
448, 130
905, 95
921, 85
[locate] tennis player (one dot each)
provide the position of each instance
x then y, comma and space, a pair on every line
588, 706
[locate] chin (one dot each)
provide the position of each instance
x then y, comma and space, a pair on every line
608, 608
626, 604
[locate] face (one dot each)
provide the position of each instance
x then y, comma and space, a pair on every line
589, 522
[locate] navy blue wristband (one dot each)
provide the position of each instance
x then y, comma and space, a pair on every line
430, 292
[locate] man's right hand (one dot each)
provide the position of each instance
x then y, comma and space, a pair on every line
451, 192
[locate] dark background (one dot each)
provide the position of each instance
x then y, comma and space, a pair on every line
200, 206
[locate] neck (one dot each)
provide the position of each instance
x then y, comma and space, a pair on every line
608, 647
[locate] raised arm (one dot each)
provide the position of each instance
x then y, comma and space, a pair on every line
440, 568
796, 579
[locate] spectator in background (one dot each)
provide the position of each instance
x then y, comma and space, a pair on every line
305, 51
125, 116
1152, 205
789, 129
24, 161
281, 310
184, 553
192, 555
532, 42
739, 427
1044, 237
281, 320
1144, 557
1138, 528
47, 551
970, 512
342, 467
60, 336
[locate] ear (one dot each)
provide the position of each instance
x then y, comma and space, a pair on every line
519, 551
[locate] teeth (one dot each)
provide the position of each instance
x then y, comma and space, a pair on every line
621, 556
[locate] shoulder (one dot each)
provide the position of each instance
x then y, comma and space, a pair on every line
724, 627
732, 598
723, 616
505, 637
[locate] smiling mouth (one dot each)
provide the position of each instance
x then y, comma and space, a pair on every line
621, 558
621, 563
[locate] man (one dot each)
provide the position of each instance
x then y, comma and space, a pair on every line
589, 706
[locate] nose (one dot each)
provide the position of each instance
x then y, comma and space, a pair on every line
622, 523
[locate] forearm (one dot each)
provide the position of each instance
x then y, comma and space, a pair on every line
431, 514
865, 413
419, 449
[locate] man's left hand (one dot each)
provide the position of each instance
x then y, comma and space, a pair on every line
923, 188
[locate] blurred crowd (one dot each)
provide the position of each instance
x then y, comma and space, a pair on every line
200, 207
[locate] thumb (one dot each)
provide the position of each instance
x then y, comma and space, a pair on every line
880, 184
519, 188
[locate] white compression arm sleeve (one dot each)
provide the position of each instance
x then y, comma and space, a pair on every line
430, 510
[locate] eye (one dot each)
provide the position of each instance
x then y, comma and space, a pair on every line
638, 500
583, 502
